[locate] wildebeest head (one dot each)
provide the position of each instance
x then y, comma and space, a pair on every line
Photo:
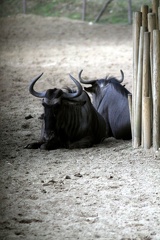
53, 97
98, 88
52, 102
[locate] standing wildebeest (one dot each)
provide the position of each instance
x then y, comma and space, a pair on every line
70, 120
110, 99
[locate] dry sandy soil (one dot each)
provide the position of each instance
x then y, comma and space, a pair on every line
110, 191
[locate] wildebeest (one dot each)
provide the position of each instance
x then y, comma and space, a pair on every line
70, 120
110, 99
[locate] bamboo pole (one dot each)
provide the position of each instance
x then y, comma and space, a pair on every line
146, 91
84, 2
146, 66
156, 89
144, 10
159, 18
151, 22
151, 27
137, 21
138, 118
24, 6
129, 11
155, 4
147, 122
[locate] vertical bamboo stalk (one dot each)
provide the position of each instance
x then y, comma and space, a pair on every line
151, 22
24, 6
146, 90
84, 9
147, 122
129, 11
138, 118
146, 65
159, 18
137, 22
155, 4
144, 10
156, 89
151, 27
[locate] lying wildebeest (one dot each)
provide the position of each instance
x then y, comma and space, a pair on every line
70, 120
110, 99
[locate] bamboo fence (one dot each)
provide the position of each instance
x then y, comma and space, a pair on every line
145, 102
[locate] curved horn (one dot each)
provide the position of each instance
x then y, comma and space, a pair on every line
84, 81
122, 77
76, 94
32, 91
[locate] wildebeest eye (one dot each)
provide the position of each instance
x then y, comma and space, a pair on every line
45, 105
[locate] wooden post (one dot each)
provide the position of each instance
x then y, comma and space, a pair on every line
147, 122
151, 27
24, 6
138, 118
156, 89
129, 11
136, 34
159, 18
155, 4
146, 93
84, 10
137, 21
144, 10
146, 66
151, 22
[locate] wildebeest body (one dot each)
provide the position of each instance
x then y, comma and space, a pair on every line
110, 99
69, 122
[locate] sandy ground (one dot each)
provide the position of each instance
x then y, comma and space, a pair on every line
110, 191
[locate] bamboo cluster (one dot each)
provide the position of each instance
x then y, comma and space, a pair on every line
145, 107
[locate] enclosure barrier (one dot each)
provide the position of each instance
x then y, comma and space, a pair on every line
145, 101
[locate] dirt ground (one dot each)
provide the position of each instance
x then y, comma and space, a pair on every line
110, 191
